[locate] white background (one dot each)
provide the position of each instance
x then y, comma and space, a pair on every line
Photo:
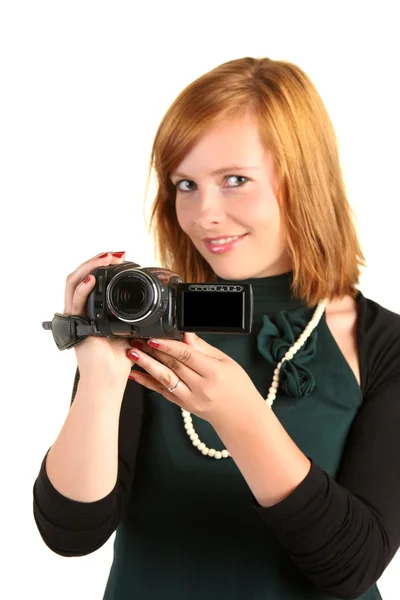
84, 86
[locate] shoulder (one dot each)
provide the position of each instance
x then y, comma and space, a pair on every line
374, 315
378, 338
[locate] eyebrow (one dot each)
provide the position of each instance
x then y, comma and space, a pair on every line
218, 171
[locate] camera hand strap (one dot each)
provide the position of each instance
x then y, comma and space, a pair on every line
69, 330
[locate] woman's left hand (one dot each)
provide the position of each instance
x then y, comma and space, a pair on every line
212, 384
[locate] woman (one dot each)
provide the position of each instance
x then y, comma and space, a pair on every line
213, 491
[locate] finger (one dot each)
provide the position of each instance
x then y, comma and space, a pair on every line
164, 274
192, 339
171, 364
179, 396
81, 272
79, 301
164, 369
190, 356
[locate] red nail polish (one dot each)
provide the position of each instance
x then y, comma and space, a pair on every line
104, 255
132, 377
87, 279
118, 254
153, 344
133, 355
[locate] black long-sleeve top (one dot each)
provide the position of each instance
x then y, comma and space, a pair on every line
331, 538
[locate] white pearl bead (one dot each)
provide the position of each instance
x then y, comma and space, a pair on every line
289, 355
277, 371
204, 451
190, 431
274, 384
185, 413
201, 446
187, 419
196, 442
187, 426
194, 436
217, 455
224, 453
211, 452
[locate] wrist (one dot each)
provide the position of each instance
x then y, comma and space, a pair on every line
249, 412
99, 390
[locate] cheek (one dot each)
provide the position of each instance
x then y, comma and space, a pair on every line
261, 210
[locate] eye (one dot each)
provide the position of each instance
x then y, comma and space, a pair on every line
238, 177
178, 183
244, 180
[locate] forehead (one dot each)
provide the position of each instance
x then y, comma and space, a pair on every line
236, 142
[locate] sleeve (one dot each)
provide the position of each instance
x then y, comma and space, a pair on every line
343, 532
72, 528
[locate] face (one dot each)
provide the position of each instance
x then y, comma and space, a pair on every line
240, 200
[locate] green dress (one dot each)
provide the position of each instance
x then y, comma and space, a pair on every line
191, 530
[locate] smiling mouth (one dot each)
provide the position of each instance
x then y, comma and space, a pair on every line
223, 245
223, 240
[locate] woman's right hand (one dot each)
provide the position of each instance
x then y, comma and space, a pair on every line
99, 359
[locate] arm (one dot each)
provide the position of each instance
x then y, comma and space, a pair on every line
343, 532
74, 520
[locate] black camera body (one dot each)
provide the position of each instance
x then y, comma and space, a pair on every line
132, 301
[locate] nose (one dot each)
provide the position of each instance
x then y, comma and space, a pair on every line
209, 209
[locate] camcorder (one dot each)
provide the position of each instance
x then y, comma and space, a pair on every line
143, 302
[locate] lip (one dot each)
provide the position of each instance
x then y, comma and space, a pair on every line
223, 248
220, 237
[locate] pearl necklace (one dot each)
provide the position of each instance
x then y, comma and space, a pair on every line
187, 418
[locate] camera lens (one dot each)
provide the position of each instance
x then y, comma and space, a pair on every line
131, 296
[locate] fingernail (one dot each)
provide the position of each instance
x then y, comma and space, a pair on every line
153, 343
132, 377
133, 355
118, 254
104, 255
87, 279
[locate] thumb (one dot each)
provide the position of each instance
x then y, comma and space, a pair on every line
192, 339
